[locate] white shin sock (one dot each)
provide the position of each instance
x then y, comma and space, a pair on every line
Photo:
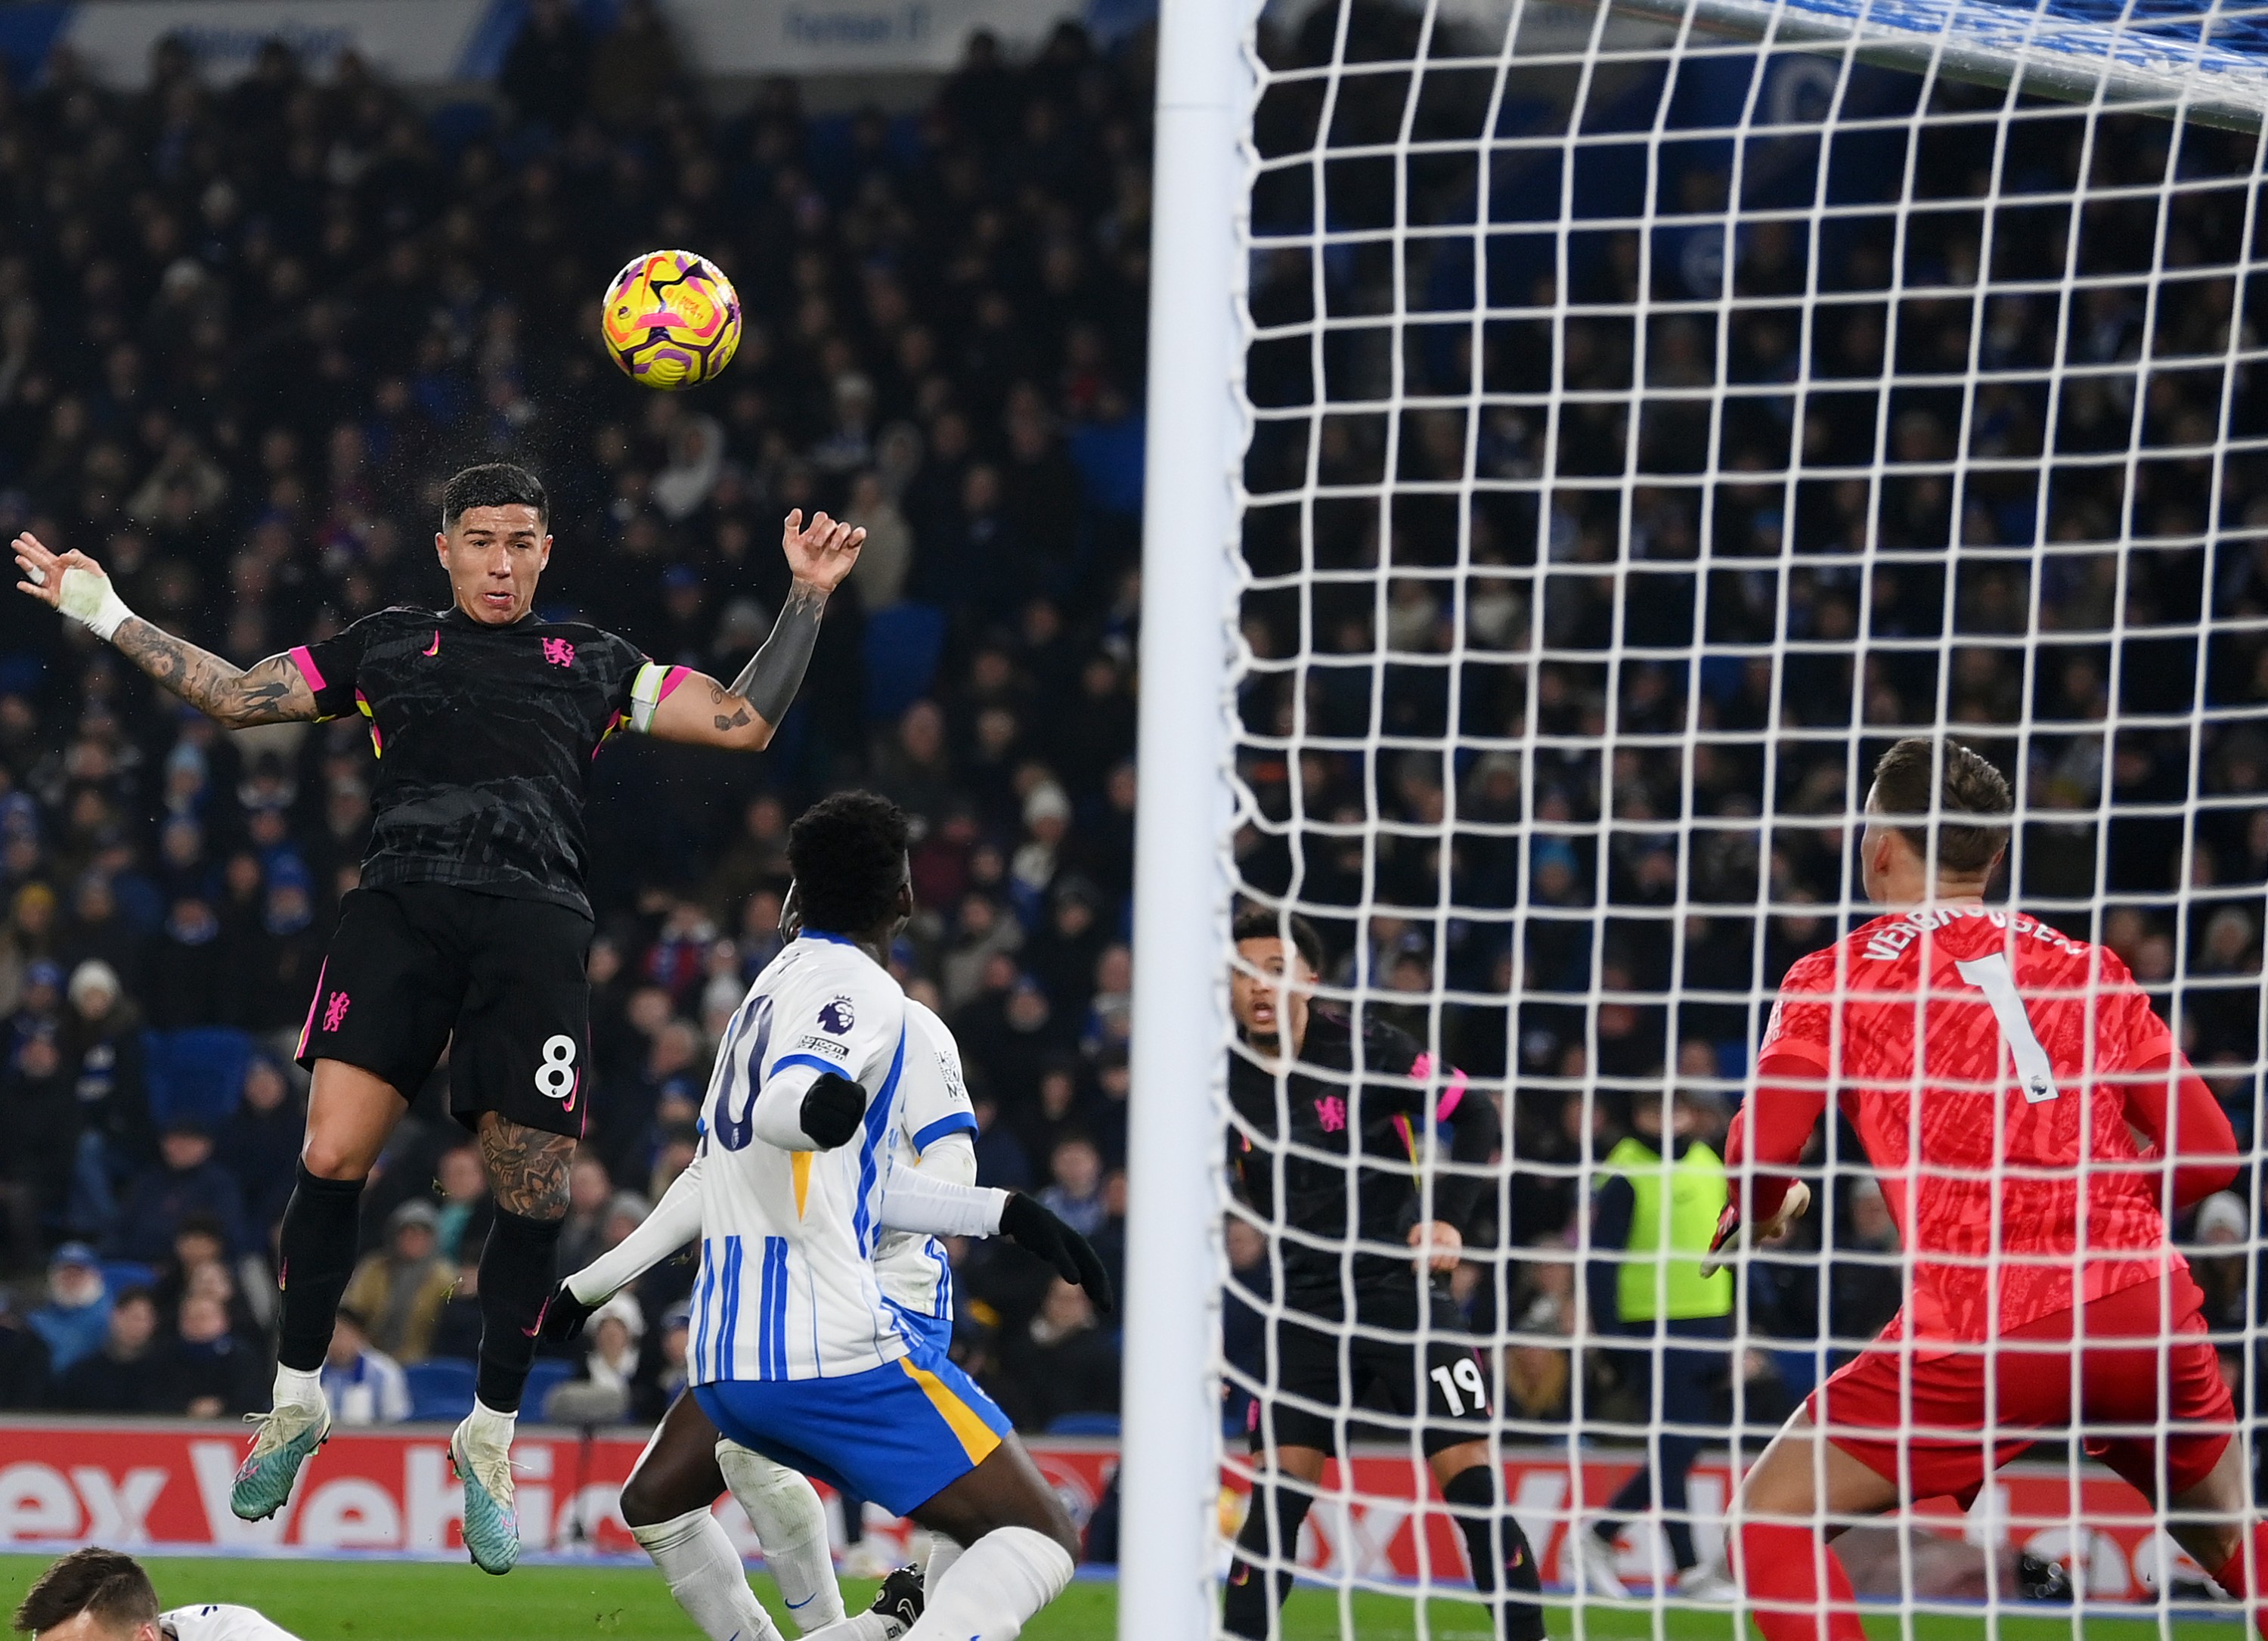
943, 1552
791, 1524
994, 1587
695, 1555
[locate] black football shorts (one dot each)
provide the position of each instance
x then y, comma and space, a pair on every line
413, 964
1442, 1382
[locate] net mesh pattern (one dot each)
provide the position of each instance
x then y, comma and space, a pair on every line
1647, 430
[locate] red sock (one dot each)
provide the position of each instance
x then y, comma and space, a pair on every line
2231, 1577
1779, 1567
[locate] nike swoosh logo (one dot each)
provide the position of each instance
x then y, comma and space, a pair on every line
531, 1332
433, 648
799, 1605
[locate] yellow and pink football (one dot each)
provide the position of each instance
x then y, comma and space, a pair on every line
671, 320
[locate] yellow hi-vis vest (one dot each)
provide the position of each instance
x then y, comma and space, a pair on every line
1661, 1274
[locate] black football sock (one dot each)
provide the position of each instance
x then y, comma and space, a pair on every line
1503, 1563
516, 1281
317, 1255
1270, 1531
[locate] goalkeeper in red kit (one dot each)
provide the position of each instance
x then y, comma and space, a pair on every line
1998, 1073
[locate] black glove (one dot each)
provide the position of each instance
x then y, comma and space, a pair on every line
564, 1317
1029, 1223
832, 1109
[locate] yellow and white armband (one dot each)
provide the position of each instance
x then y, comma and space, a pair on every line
649, 689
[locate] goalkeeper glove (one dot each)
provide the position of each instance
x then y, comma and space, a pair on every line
563, 1316
1792, 1208
831, 1110
1027, 1223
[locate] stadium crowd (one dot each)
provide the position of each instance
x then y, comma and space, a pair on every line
246, 333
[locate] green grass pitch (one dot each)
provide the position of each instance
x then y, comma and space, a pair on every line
374, 1600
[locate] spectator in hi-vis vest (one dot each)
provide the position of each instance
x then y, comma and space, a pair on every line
1654, 1213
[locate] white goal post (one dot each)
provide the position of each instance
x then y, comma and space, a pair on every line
1580, 438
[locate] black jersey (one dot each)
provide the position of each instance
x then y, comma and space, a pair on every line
1327, 1116
484, 737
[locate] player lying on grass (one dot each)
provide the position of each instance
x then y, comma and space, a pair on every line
685, 1466
796, 1353
1317, 1094
470, 925
2044, 1295
96, 1594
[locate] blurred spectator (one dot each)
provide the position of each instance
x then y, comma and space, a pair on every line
547, 71
211, 1370
102, 1055
128, 1372
456, 1329
363, 1384
76, 1318
601, 1392
1074, 1190
260, 1143
2221, 1261
399, 1289
42, 1119
590, 1188
1061, 1362
24, 1364
634, 67
466, 1211
185, 1182
1864, 1292
199, 1263
1538, 1370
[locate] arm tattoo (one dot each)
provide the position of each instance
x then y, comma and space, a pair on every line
769, 681
528, 1168
269, 692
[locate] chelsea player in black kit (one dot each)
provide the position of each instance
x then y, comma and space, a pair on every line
1314, 1094
470, 926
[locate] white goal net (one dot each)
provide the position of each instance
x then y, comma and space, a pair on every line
1655, 412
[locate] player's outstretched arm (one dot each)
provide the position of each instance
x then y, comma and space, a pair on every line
270, 691
914, 1201
743, 714
674, 1222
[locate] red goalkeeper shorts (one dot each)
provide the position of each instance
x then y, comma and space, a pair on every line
2125, 1346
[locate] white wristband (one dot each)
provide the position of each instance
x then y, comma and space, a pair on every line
90, 599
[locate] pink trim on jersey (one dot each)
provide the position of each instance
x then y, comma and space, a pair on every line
1422, 1068
304, 660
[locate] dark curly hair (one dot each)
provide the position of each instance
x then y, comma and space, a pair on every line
849, 852
493, 484
1258, 922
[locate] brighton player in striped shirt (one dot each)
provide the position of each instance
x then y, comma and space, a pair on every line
2043, 1295
796, 1351
667, 1498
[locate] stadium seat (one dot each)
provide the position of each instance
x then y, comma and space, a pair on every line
903, 645
1084, 1424
196, 1073
1798, 1371
119, 1275
440, 1390
456, 125
546, 1376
